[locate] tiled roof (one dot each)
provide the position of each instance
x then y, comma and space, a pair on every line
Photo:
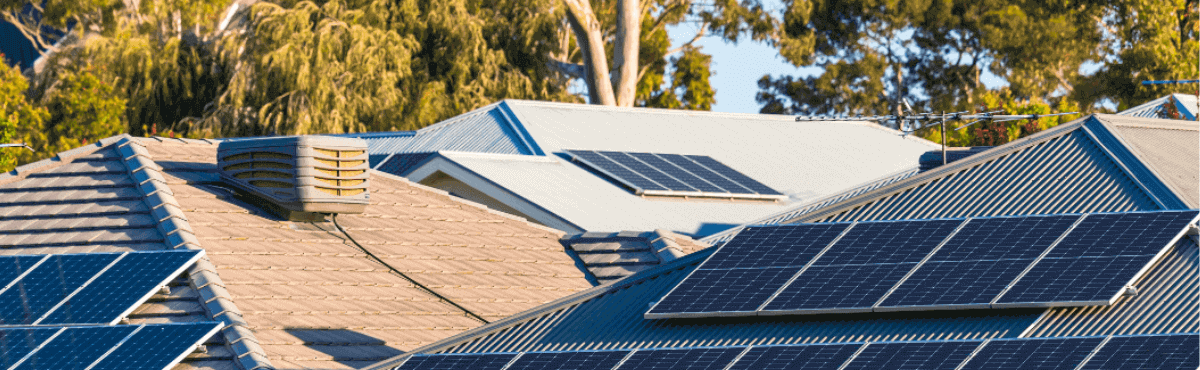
611, 256
305, 297
1077, 167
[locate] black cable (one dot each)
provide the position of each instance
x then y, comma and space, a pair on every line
414, 282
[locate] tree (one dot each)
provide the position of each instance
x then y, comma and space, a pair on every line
636, 32
17, 114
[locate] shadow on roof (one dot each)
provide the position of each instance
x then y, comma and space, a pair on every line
346, 347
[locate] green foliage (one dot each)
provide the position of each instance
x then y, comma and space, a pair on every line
691, 76
998, 133
17, 115
82, 110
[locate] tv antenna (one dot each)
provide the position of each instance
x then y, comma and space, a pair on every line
916, 121
18, 145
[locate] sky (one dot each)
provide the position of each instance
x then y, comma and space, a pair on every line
737, 68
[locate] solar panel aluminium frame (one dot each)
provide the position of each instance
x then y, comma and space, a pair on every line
669, 193
200, 253
216, 327
878, 306
980, 345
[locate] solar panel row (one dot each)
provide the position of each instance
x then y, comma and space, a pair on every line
1144, 352
93, 288
673, 174
1029, 261
124, 347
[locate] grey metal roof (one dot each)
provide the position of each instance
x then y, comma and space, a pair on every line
516, 145
1185, 104
1081, 166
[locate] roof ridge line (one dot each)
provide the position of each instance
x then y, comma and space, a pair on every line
1143, 184
942, 171
549, 307
59, 159
177, 233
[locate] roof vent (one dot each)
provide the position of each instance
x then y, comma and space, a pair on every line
299, 176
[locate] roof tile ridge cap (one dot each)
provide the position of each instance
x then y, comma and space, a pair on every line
942, 171
177, 233
549, 307
557, 232
59, 159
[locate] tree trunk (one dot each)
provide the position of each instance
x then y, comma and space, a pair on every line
625, 55
587, 34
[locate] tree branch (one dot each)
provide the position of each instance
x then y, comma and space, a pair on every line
570, 69
689, 43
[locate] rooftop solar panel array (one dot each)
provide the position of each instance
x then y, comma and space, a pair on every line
675, 175
1028, 261
1142, 352
93, 288
124, 347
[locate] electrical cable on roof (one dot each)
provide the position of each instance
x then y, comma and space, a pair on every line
333, 216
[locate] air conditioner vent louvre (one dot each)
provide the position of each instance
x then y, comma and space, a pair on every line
307, 174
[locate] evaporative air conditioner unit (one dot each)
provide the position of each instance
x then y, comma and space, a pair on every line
308, 174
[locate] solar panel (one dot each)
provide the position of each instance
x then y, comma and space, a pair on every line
154, 346
681, 359
675, 175
724, 291
1039, 354
913, 355
775, 246
458, 361
12, 267
121, 288
568, 360
1149, 352
50, 283
812, 357
926, 264
839, 288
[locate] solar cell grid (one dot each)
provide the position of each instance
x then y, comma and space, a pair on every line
156, 347
1156, 352
1122, 234
681, 359
600, 162
677, 173
458, 361
568, 360
646, 170
49, 284
1004, 238
705, 173
16, 343
914, 356
839, 287
12, 267
774, 246
739, 290
76, 348
723, 170
888, 242
1097, 279
956, 283
811, 357
1036, 354
121, 287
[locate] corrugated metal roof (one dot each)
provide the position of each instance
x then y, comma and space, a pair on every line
486, 130
1170, 148
1075, 167
1185, 104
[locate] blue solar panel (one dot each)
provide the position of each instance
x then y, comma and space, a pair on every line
16, 343
678, 173
774, 246
956, 283
839, 287
458, 361
914, 356
76, 348
734, 175
1033, 354
568, 360
123, 286
157, 346
47, 285
888, 242
705, 173
681, 359
1075, 279
1004, 238
1122, 234
13, 266
738, 290
1149, 352
646, 170
600, 162
810, 357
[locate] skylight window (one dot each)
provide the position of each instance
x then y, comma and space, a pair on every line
675, 175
